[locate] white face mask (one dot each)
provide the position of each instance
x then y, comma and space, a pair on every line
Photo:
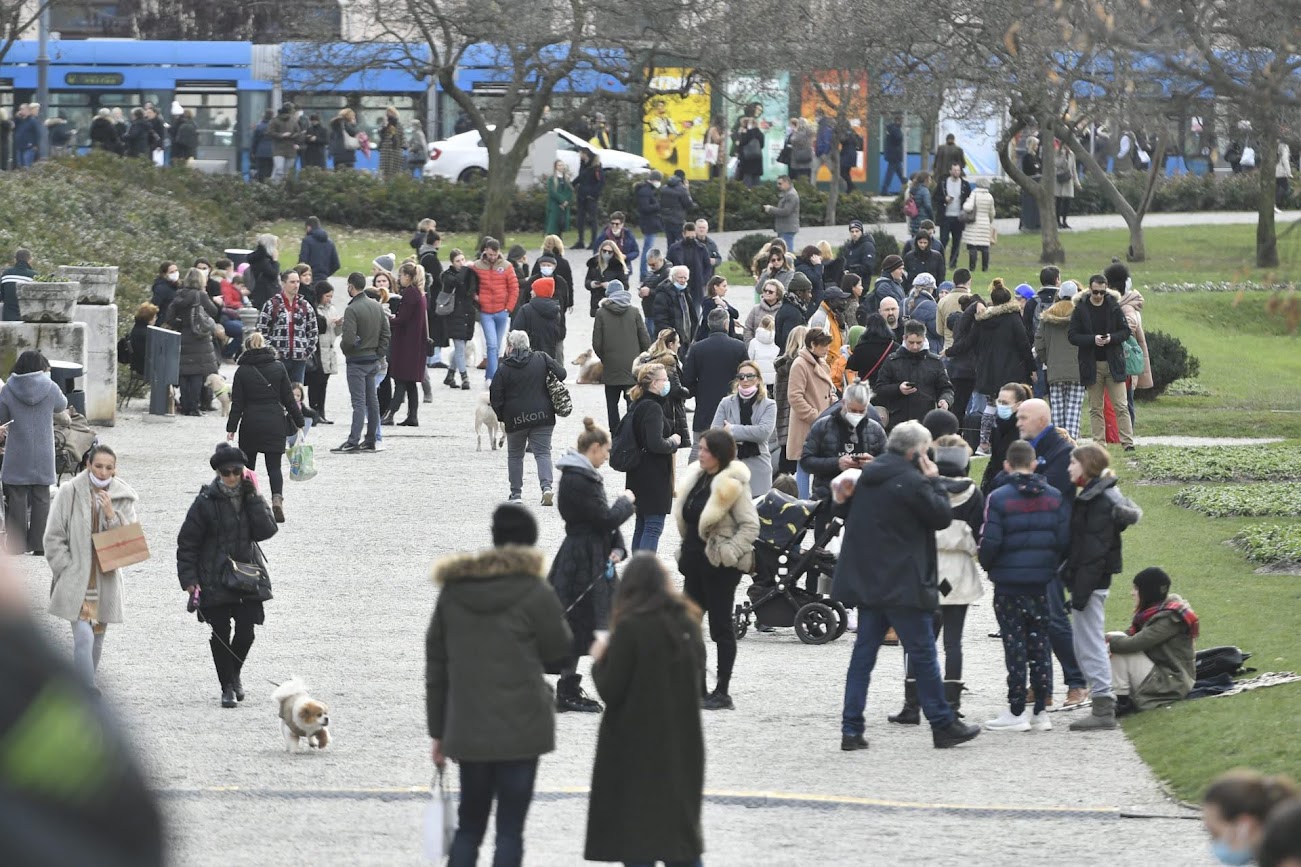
855, 418
100, 483
204, 272
173, 278
547, 270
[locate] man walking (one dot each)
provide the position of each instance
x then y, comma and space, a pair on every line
888, 570
709, 371
365, 341
318, 251
893, 154
702, 238
786, 213
950, 195
1099, 328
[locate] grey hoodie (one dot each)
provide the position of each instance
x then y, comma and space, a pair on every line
30, 401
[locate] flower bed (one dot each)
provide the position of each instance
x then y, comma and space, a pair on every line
1273, 545
1217, 286
1267, 500
1221, 464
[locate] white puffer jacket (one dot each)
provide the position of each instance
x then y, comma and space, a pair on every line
956, 548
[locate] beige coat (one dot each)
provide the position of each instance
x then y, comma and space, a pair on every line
979, 232
1132, 305
69, 552
809, 391
729, 524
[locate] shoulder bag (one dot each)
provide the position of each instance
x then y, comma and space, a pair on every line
445, 303
561, 402
249, 579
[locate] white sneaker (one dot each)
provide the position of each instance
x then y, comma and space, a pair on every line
380, 447
1009, 722
1040, 722
852, 626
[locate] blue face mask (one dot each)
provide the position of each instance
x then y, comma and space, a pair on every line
1226, 853
1005, 412
681, 287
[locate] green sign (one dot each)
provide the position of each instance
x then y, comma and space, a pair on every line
93, 79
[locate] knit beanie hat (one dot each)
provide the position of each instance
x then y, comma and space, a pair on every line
924, 280
855, 334
546, 260
515, 252
617, 294
385, 262
544, 287
855, 224
513, 524
227, 455
799, 283
891, 262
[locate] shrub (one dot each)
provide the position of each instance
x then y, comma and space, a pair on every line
1170, 362
1274, 545
886, 244
1221, 464
1269, 500
746, 247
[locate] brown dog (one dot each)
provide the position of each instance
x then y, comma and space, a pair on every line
590, 368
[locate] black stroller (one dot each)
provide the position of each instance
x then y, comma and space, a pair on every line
776, 599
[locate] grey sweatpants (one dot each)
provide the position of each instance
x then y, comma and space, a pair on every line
1091, 644
538, 439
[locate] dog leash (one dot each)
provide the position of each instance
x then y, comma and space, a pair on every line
214, 634
586, 590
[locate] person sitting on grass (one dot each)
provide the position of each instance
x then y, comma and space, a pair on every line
1152, 662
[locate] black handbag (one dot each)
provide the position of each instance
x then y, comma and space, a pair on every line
246, 579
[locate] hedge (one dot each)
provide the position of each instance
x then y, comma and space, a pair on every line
1221, 464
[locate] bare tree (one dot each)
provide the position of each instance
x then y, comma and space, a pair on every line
16, 18
593, 52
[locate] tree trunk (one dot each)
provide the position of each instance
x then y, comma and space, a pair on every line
499, 188
1043, 192
833, 196
1133, 217
1266, 234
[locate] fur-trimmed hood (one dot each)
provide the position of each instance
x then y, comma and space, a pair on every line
729, 523
1060, 313
506, 561
729, 485
1011, 307
1083, 295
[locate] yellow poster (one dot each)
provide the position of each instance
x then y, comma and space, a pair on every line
673, 127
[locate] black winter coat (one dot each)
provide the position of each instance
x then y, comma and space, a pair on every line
866, 358
790, 315
652, 479
596, 274
1003, 352
519, 393
161, 295
694, 256
1080, 332
563, 295
198, 357
260, 395
1100, 513
916, 262
962, 353
924, 371
888, 558
648, 208
103, 136
591, 533
708, 373
654, 277
672, 309
829, 439
213, 532
1002, 435
544, 322
860, 257
675, 202
461, 321
318, 251
814, 273
262, 277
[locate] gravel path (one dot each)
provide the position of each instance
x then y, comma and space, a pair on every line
352, 603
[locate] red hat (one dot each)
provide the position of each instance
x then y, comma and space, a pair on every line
544, 287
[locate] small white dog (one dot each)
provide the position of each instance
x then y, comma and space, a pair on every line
485, 418
302, 718
221, 391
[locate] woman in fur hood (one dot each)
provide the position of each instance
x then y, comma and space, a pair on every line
718, 524
1002, 350
1053, 347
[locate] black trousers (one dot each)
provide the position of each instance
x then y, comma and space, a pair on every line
191, 392
317, 384
984, 257
587, 211
229, 658
1063, 209
275, 477
612, 393
713, 588
409, 390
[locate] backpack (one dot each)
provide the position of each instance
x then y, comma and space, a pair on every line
1215, 661
124, 350
1134, 359
910, 209
625, 451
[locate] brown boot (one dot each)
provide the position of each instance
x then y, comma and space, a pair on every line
1076, 695
278, 508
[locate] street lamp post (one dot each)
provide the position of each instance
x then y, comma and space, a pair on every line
43, 78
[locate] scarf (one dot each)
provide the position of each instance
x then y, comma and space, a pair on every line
235, 495
1178, 606
747, 449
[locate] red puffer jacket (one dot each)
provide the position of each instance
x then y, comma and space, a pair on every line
498, 286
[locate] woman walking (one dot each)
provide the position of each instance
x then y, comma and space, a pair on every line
391, 144
325, 361
618, 337
343, 140
260, 396
648, 778
28, 402
88, 598
463, 285
1099, 515
718, 525
221, 531
193, 314
809, 391
410, 342
583, 570
519, 396
794, 343
750, 416
560, 200
979, 233
651, 480
606, 267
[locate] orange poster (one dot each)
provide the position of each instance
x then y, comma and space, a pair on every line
673, 127
822, 93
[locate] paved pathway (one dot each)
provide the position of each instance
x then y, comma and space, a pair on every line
352, 603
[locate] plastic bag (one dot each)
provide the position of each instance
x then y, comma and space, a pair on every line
440, 822
302, 462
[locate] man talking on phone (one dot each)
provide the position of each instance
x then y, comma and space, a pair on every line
887, 569
913, 379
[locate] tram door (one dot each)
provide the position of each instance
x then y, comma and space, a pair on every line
215, 106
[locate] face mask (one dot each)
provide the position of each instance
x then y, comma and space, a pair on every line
172, 278
1226, 853
605, 257
547, 270
747, 391
100, 483
855, 418
204, 272
1005, 412
679, 286
664, 389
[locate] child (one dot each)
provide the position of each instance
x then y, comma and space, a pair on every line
309, 415
1099, 515
1027, 529
764, 351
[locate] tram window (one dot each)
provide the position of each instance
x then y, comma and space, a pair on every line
370, 112
75, 108
214, 116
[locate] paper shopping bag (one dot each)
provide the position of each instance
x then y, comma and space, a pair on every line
120, 546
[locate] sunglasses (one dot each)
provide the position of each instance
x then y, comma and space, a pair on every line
745, 376
1097, 291
226, 472
615, 223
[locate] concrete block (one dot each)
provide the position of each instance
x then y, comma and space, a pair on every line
100, 383
57, 341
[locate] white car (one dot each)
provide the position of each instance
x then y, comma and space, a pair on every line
464, 158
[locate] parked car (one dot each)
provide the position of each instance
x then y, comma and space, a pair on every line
464, 158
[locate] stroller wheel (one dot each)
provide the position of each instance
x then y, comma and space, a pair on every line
740, 624
843, 616
815, 623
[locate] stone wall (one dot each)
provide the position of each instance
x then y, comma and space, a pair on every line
100, 383
57, 341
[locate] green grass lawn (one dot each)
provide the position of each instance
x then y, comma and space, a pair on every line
1189, 744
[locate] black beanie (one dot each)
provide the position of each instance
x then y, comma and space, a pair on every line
512, 524
227, 455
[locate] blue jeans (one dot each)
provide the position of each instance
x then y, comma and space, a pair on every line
802, 481
26, 157
511, 785
1041, 384
646, 532
458, 355
647, 244
789, 239
379, 423
494, 326
892, 169
296, 370
235, 331
365, 400
1062, 636
916, 632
